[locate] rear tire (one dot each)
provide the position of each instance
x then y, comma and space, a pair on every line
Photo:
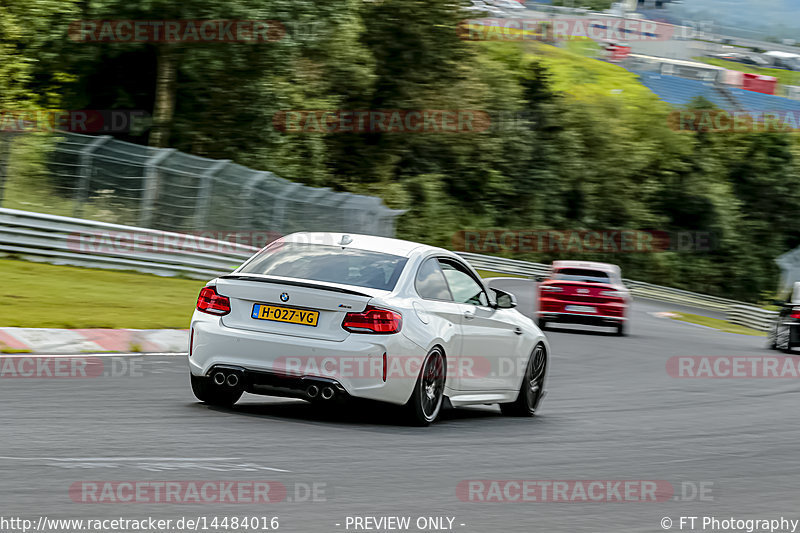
772, 340
542, 323
532, 387
208, 393
782, 344
621, 330
428, 395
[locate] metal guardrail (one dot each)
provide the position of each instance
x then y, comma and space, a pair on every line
74, 241
752, 317
735, 311
505, 266
638, 288
88, 243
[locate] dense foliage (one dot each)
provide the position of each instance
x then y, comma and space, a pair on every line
574, 143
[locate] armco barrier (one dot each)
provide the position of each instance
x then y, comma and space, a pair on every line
638, 288
505, 266
63, 240
735, 311
752, 317
74, 241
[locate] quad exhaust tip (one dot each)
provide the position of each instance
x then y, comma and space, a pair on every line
327, 393
220, 379
312, 391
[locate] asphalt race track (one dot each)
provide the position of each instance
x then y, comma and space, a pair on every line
612, 413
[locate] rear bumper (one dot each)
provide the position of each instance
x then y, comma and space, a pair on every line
606, 313
282, 365
281, 384
578, 318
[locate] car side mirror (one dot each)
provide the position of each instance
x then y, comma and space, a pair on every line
505, 300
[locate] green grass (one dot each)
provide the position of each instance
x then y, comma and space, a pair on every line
583, 47
489, 274
5, 349
718, 324
586, 78
38, 295
785, 77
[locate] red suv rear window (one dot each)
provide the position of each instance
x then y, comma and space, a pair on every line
581, 274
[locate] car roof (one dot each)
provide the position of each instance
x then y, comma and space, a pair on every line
370, 243
605, 267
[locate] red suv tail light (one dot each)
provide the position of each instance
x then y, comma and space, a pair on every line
373, 320
212, 303
551, 288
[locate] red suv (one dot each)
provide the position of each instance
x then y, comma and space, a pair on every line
581, 292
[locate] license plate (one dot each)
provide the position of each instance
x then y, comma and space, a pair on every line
289, 315
580, 309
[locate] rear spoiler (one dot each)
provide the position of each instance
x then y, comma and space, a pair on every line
294, 283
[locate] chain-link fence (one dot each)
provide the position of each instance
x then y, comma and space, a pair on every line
100, 178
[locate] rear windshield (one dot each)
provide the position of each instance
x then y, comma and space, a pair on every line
581, 274
333, 264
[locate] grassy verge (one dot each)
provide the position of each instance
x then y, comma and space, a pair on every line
716, 323
489, 274
48, 296
586, 78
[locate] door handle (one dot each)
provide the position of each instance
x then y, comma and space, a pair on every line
518, 331
469, 315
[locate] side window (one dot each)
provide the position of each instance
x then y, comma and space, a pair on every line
430, 282
465, 289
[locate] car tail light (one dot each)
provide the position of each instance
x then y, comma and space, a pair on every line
373, 320
384, 367
795, 312
613, 294
551, 288
212, 303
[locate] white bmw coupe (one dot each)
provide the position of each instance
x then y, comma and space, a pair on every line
327, 316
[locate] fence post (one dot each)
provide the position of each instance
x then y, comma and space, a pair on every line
204, 194
249, 196
279, 214
85, 161
5, 157
150, 185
